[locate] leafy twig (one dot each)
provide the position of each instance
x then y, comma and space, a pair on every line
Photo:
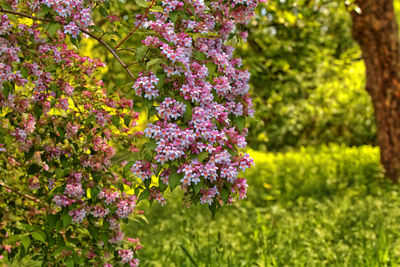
137, 26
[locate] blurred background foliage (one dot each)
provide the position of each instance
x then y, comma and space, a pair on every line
307, 77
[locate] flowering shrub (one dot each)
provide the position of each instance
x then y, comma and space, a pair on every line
200, 96
63, 194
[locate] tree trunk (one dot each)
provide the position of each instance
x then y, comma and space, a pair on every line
376, 31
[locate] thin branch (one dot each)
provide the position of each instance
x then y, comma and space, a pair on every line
145, 54
129, 49
112, 51
97, 3
23, 194
137, 26
22, 14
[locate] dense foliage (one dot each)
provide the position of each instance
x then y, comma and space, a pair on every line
62, 192
307, 76
320, 206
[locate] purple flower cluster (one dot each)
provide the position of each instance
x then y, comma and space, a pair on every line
127, 257
143, 170
73, 14
146, 84
208, 195
77, 215
204, 98
126, 206
170, 109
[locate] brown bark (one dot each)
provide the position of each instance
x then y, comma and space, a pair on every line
376, 31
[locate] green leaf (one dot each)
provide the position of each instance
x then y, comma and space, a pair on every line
34, 168
142, 3
153, 62
96, 176
65, 162
26, 241
174, 180
13, 18
7, 89
59, 173
202, 156
144, 195
173, 16
188, 111
198, 186
147, 182
90, 119
161, 80
127, 168
127, 120
8, 139
94, 191
162, 186
29, 155
200, 55
53, 28
151, 113
76, 41
104, 237
66, 220
38, 110
213, 208
151, 145
240, 123
6, 6
188, 254
225, 195
59, 225
103, 11
70, 262
96, 28
58, 251
156, 9
52, 220
211, 67
14, 238
40, 236
140, 53
24, 72
44, 11
197, 35
115, 120
148, 156
148, 103
94, 232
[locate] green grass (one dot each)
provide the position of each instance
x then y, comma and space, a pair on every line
327, 206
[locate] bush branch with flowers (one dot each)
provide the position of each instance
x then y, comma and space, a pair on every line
63, 196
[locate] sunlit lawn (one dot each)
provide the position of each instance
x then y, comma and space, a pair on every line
317, 207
